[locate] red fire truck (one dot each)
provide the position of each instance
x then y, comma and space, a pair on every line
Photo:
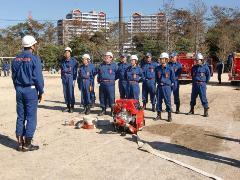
234, 75
187, 61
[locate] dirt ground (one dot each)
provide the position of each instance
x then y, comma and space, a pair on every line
210, 144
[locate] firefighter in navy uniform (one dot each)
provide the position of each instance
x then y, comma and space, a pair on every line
201, 76
122, 83
28, 82
149, 84
177, 68
230, 61
69, 67
133, 75
93, 96
165, 80
220, 68
85, 80
6, 68
106, 78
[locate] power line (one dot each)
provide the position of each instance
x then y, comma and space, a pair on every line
53, 20
23, 20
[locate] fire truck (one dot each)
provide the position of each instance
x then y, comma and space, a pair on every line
234, 74
187, 61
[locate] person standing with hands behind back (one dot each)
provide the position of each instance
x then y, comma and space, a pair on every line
200, 78
122, 83
177, 68
165, 80
28, 82
133, 75
85, 77
106, 78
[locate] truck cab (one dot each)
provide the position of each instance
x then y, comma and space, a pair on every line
234, 74
187, 61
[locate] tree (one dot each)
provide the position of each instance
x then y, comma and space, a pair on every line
223, 35
168, 11
11, 37
98, 38
184, 45
199, 10
182, 34
79, 45
50, 33
145, 43
95, 45
51, 55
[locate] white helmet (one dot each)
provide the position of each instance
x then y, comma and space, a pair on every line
164, 55
86, 56
109, 54
28, 41
199, 56
68, 49
134, 57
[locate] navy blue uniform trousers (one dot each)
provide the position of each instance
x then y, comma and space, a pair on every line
27, 102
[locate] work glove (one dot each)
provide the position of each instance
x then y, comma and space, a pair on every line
39, 98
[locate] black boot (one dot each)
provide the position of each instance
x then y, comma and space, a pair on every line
177, 108
191, 110
84, 110
169, 116
93, 105
153, 108
71, 108
159, 117
112, 111
87, 112
205, 112
67, 109
144, 106
20, 143
28, 146
102, 112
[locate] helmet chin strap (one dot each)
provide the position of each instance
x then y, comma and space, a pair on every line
164, 64
32, 48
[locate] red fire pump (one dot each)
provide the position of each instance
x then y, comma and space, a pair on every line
128, 116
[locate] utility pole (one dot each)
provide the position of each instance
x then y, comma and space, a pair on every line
120, 27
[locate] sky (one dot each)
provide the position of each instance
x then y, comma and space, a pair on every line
14, 11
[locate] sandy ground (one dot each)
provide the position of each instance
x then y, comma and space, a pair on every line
211, 144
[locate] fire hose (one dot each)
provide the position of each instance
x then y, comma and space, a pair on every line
146, 147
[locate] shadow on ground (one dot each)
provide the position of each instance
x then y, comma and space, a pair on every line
60, 102
57, 108
8, 142
224, 138
182, 150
